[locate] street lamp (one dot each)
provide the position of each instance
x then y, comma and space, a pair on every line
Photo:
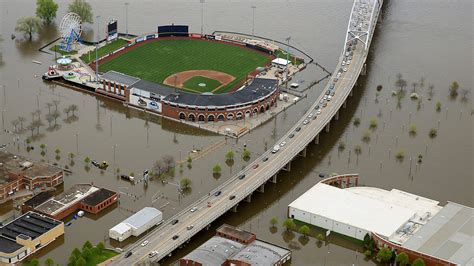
96, 50
202, 15
114, 147
253, 20
126, 17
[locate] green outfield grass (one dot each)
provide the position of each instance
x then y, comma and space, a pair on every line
154, 61
110, 47
193, 84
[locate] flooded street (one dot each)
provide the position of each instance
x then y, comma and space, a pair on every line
429, 43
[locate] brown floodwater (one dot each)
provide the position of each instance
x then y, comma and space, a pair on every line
429, 40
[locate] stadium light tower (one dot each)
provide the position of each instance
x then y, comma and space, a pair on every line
96, 50
253, 20
126, 17
202, 15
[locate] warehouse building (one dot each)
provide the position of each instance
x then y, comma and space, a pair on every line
26, 235
136, 224
358, 211
233, 246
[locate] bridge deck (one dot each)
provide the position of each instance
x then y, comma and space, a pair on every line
161, 238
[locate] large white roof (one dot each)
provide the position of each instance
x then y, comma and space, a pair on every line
120, 228
345, 206
142, 217
280, 61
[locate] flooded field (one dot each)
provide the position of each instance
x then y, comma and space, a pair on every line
413, 39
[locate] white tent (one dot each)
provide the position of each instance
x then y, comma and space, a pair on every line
280, 62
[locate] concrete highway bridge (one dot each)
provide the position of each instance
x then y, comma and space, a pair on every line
361, 26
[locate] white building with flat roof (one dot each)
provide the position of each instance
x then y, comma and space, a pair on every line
358, 211
136, 224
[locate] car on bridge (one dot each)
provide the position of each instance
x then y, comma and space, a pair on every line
128, 254
144, 243
193, 209
291, 135
175, 237
217, 193
175, 221
298, 129
152, 254
276, 148
232, 197
265, 159
283, 143
305, 122
255, 166
242, 176
189, 227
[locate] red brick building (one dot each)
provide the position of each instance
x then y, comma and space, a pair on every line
17, 173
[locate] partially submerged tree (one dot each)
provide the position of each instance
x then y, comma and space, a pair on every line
83, 9
28, 26
46, 10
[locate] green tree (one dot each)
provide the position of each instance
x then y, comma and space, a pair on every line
274, 221
86, 253
34, 262
49, 262
384, 255
46, 10
341, 146
320, 237
76, 253
412, 131
246, 154
400, 155
57, 151
373, 123
185, 183
453, 89
80, 262
438, 106
229, 155
418, 262
216, 169
366, 136
72, 259
100, 247
88, 245
28, 26
433, 133
87, 160
304, 229
190, 159
358, 149
83, 9
402, 259
289, 224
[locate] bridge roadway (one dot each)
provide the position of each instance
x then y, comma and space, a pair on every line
161, 238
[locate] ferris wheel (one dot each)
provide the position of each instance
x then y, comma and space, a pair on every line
70, 29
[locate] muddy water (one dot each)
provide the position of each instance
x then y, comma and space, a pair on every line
413, 39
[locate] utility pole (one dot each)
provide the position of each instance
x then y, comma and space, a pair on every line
287, 60
126, 17
96, 50
253, 20
202, 16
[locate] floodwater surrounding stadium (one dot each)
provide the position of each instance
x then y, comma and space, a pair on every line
428, 42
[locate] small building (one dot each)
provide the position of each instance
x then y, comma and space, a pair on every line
26, 235
358, 211
136, 224
280, 62
84, 197
233, 246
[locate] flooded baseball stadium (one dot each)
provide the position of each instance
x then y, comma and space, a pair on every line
384, 138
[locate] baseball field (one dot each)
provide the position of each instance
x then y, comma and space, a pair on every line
192, 64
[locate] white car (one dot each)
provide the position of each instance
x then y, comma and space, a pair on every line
345, 69
318, 112
190, 227
343, 63
329, 97
193, 209
310, 115
325, 97
145, 243
283, 143
348, 62
305, 122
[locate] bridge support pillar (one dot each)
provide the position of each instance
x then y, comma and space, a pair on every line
302, 153
364, 70
261, 189
273, 179
316, 139
328, 126
249, 198
344, 104
234, 209
287, 167
208, 226
337, 115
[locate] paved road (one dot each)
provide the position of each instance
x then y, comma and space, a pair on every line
161, 239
